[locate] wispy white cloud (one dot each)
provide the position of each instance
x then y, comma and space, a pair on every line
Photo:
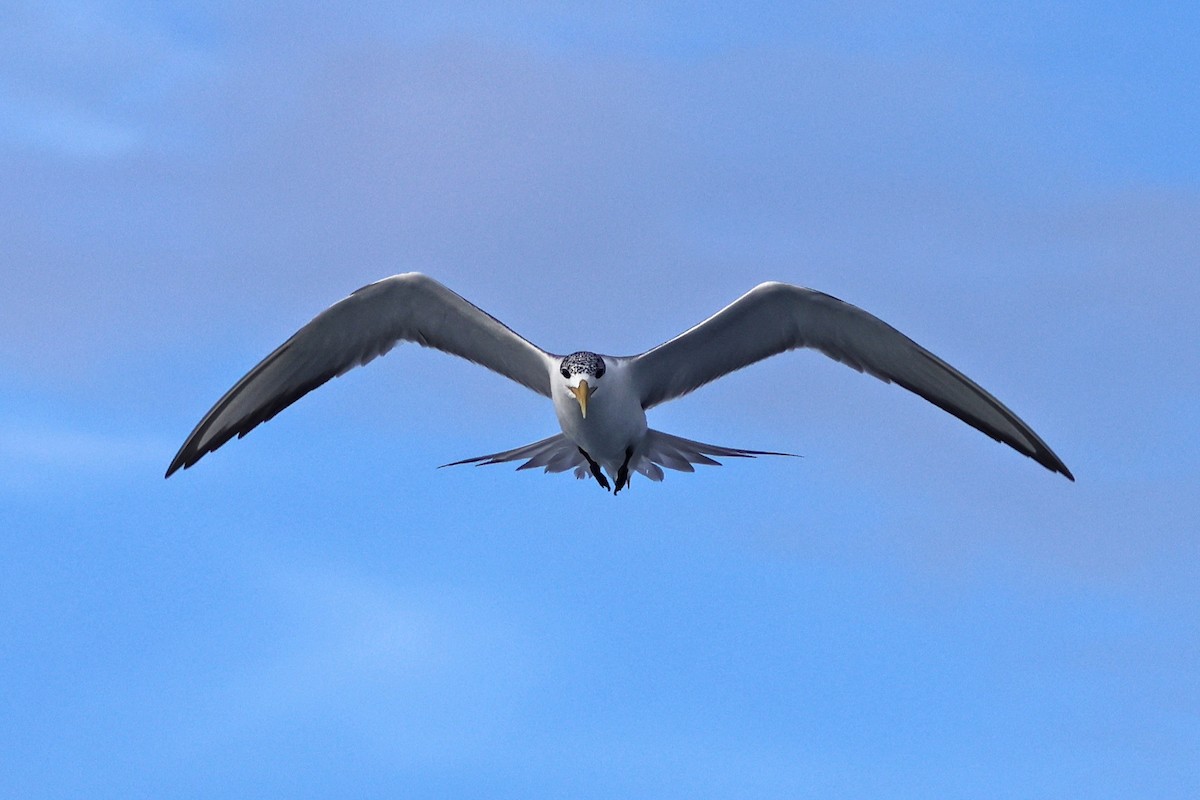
417, 678
74, 132
34, 451
81, 80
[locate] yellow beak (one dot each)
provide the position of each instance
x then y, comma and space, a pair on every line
582, 394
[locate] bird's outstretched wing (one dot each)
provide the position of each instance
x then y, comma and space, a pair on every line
776, 317
368, 323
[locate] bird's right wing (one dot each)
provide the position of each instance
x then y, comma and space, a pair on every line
775, 317
368, 323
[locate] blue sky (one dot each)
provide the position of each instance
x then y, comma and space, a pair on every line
910, 610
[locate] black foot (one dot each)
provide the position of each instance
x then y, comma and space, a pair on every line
595, 468
623, 472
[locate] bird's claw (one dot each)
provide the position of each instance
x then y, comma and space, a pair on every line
595, 470
623, 473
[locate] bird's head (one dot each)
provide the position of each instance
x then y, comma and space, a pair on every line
582, 373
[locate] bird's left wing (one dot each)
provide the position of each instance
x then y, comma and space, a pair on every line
776, 317
368, 323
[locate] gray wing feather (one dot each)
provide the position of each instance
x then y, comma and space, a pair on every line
776, 317
554, 454
363, 326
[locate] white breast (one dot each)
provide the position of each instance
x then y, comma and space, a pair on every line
615, 420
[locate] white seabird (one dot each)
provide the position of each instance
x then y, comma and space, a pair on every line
601, 400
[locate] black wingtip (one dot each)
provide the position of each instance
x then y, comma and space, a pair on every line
186, 457
1047, 458
176, 465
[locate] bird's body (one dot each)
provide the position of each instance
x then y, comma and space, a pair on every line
601, 400
615, 419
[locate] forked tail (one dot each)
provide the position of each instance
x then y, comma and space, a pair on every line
657, 450
660, 450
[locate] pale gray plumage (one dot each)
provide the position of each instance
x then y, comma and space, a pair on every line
367, 324
775, 317
770, 319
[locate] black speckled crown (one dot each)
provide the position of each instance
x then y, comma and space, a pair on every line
583, 362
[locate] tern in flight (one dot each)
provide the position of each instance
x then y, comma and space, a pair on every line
601, 400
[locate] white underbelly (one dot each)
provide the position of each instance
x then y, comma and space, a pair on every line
609, 430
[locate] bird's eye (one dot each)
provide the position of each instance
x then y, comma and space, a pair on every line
566, 373
600, 372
